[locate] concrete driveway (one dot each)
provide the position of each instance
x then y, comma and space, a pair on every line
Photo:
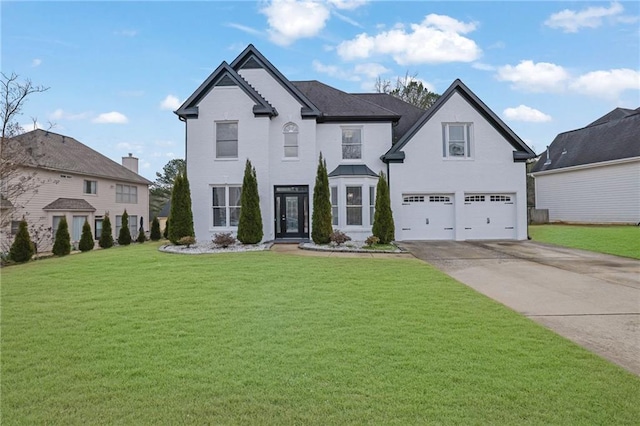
590, 298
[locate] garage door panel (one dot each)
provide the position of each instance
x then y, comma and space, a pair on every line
427, 217
489, 216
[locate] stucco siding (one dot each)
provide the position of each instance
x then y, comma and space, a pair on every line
606, 194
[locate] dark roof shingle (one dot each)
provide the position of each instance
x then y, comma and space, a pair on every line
48, 150
70, 204
352, 170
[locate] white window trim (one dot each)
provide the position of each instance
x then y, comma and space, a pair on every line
341, 182
284, 145
129, 194
215, 141
469, 141
84, 187
226, 227
356, 160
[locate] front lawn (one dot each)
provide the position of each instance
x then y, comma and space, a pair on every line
130, 335
617, 240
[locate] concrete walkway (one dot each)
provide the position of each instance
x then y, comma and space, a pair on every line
592, 299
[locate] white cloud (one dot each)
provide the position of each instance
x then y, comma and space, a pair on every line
334, 71
31, 126
36, 62
112, 117
525, 113
346, 19
245, 29
534, 77
482, 66
290, 20
347, 4
60, 114
370, 70
571, 21
607, 84
437, 39
171, 103
130, 147
165, 144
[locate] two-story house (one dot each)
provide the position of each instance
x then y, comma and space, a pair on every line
67, 178
456, 171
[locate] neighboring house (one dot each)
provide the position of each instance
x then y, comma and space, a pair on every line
163, 215
592, 175
74, 181
456, 170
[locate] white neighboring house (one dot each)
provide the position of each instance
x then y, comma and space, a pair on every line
73, 181
592, 175
456, 171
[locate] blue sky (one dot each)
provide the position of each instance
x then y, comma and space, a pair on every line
117, 70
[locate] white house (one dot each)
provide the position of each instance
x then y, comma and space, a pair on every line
72, 180
592, 175
456, 171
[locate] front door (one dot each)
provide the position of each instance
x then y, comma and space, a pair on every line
292, 211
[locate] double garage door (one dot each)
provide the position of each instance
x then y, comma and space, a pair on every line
483, 217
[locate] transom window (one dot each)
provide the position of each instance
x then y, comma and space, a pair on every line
413, 199
290, 131
496, 198
90, 187
227, 140
351, 143
456, 140
126, 194
226, 205
439, 199
474, 199
354, 205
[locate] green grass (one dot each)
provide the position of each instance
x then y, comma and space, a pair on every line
617, 240
133, 336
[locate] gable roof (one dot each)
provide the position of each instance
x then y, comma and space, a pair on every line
614, 136
52, 151
336, 105
522, 151
225, 75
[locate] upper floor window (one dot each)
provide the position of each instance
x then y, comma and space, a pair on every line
456, 140
90, 187
351, 143
227, 140
126, 194
226, 205
290, 131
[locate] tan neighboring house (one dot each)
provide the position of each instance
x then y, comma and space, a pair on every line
69, 179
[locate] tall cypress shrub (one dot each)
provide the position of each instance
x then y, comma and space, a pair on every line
22, 249
62, 243
321, 227
383, 226
86, 240
124, 237
165, 233
180, 214
250, 222
106, 238
155, 229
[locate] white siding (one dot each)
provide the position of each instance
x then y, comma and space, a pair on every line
607, 194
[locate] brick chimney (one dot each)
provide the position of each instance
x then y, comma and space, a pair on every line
130, 163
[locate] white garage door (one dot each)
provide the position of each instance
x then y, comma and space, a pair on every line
489, 216
427, 217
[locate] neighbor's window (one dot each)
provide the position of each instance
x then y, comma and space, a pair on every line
456, 140
54, 226
354, 205
90, 187
98, 228
351, 143
334, 205
15, 225
133, 226
290, 131
227, 140
226, 205
126, 194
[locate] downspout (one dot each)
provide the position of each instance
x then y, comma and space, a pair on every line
183, 119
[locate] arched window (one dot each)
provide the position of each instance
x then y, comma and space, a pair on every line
290, 131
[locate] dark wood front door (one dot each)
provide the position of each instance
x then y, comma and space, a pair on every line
292, 211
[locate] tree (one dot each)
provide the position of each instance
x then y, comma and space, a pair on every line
62, 243
22, 249
16, 180
180, 215
40, 235
165, 233
321, 223
106, 238
250, 222
155, 229
383, 226
409, 89
160, 190
124, 237
86, 240
141, 237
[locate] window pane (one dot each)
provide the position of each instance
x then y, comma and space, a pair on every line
456, 149
334, 215
228, 149
234, 216
456, 133
351, 144
133, 194
234, 195
218, 197
133, 226
334, 195
98, 228
354, 215
354, 195
219, 216
290, 151
372, 203
226, 131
